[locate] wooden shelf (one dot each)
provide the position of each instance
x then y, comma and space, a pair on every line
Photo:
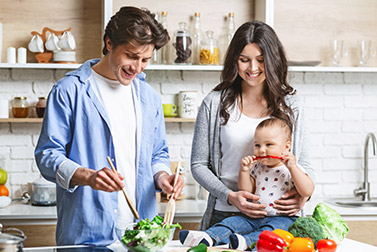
21, 120
177, 119
39, 120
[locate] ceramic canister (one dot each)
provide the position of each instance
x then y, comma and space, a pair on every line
188, 106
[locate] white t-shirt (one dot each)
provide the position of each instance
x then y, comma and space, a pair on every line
119, 105
271, 184
237, 141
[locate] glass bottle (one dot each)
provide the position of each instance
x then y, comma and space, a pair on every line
164, 50
182, 45
231, 27
156, 55
20, 107
41, 106
209, 52
197, 38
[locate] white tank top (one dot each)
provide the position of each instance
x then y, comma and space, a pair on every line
237, 141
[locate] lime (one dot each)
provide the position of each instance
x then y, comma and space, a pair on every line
3, 176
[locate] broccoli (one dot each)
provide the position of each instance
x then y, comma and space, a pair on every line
307, 227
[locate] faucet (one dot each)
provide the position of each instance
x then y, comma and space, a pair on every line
364, 190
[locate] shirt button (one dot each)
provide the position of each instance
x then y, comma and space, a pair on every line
115, 210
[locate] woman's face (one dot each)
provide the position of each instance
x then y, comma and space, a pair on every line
251, 65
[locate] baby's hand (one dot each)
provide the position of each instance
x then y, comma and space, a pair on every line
289, 159
246, 163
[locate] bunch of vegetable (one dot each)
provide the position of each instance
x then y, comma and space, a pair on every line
322, 231
333, 225
148, 235
283, 241
306, 227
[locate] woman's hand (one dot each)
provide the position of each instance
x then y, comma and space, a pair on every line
290, 203
240, 200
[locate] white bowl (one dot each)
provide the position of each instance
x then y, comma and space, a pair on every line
151, 240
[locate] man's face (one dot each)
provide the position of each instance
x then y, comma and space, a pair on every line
128, 60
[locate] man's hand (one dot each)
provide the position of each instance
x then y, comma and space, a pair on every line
164, 182
240, 200
104, 179
290, 203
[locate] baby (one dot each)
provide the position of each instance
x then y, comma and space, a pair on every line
269, 173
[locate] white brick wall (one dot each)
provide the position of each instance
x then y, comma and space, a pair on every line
341, 109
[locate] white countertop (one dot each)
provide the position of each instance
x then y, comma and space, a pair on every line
18, 213
346, 245
187, 211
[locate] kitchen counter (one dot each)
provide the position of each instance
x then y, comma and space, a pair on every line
187, 211
347, 245
21, 214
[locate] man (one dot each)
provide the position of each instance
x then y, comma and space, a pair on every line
105, 108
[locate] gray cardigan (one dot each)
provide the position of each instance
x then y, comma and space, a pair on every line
206, 150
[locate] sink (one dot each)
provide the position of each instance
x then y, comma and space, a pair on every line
353, 203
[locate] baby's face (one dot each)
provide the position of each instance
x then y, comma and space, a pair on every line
270, 141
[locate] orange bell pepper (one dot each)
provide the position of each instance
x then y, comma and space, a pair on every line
287, 236
299, 244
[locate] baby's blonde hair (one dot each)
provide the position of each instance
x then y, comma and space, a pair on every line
276, 122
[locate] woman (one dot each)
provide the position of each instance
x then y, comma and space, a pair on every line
254, 87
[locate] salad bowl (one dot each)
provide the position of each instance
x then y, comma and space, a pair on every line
146, 235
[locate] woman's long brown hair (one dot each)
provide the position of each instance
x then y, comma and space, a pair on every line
276, 70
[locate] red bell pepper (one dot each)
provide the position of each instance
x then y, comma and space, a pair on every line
270, 242
260, 157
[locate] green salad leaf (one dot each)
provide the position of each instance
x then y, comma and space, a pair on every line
333, 225
148, 235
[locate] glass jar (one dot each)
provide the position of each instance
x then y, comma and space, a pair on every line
20, 107
41, 106
209, 52
182, 45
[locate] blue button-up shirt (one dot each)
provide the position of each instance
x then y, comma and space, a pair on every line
76, 133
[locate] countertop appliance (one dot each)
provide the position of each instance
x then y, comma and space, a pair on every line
43, 193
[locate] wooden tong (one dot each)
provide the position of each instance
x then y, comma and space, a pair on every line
133, 209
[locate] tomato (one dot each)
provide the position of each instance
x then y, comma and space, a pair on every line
326, 245
299, 244
287, 236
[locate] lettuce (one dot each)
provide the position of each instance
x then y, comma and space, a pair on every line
333, 225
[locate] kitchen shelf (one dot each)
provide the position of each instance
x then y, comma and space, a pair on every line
39, 120
196, 67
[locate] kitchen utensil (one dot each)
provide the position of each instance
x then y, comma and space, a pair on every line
169, 109
43, 193
133, 209
170, 207
10, 242
363, 51
36, 44
52, 42
336, 47
67, 41
25, 198
151, 240
188, 107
